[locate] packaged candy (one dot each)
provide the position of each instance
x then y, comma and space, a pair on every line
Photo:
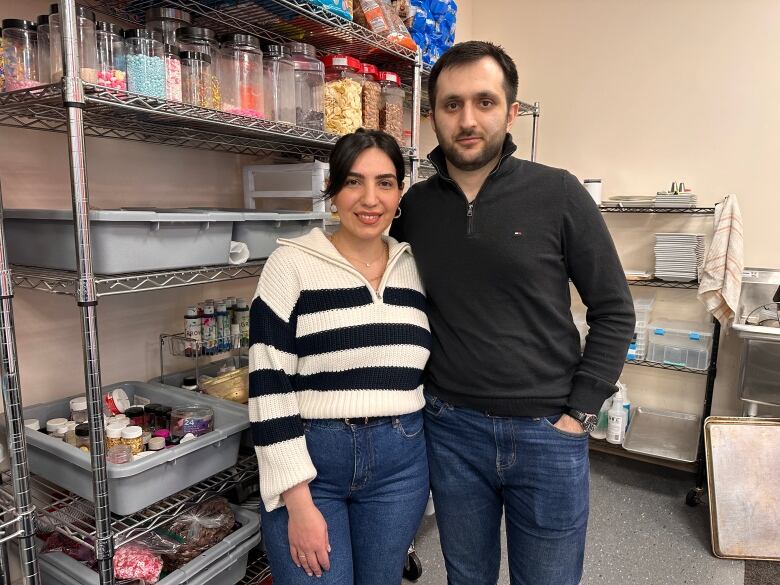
379, 17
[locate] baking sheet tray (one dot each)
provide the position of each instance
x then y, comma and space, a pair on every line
744, 486
664, 434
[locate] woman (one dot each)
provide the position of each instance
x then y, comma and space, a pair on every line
339, 342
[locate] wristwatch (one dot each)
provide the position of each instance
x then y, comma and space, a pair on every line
588, 421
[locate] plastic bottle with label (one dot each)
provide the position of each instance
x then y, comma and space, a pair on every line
600, 432
616, 423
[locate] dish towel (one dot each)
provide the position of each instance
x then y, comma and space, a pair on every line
721, 280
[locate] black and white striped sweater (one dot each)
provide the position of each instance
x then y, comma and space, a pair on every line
324, 344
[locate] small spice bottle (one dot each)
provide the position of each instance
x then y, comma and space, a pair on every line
119, 454
82, 437
78, 410
53, 424
133, 438
156, 444
150, 411
164, 433
164, 417
71, 438
114, 434
137, 415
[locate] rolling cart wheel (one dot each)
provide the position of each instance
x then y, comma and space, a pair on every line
693, 498
413, 568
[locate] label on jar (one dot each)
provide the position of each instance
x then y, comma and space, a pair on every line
195, 425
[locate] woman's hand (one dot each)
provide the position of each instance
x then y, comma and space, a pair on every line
307, 531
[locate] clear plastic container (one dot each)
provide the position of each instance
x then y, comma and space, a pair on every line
87, 42
44, 34
167, 21
241, 75
82, 437
78, 410
133, 437
2, 62
343, 96
145, 63
196, 78
20, 54
279, 83
680, 343
112, 59
203, 40
119, 454
372, 96
391, 112
114, 435
309, 82
197, 420
172, 73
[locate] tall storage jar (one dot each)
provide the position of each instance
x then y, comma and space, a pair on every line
167, 21
196, 78
145, 64
85, 37
279, 84
112, 60
391, 113
241, 75
2, 61
20, 54
372, 96
172, 73
309, 82
343, 99
44, 35
197, 39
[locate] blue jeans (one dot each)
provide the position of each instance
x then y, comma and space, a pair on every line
483, 466
372, 488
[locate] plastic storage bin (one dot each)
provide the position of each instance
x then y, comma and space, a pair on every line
122, 240
259, 230
643, 308
306, 180
137, 485
680, 343
223, 564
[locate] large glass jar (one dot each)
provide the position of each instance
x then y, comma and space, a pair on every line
372, 96
391, 113
145, 64
172, 73
203, 40
167, 21
44, 65
20, 54
241, 75
342, 100
196, 78
309, 80
279, 84
111, 56
87, 42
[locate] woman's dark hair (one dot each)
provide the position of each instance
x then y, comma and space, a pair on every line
350, 146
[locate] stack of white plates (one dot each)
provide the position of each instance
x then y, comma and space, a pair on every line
664, 199
679, 256
631, 200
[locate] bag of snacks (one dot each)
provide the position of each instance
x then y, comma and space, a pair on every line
379, 17
341, 7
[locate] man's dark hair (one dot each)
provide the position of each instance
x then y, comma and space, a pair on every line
350, 146
469, 52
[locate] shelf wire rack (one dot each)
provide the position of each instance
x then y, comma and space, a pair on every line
683, 210
649, 364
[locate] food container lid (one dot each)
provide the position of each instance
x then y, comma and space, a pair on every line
32, 423
109, 27
18, 23
189, 381
82, 430
164, 410
302, 48
81, 11
42, 20
195, 411
195, 33
163, 433
79, 403
134, 411
132, 432
390, 77
277, 51
165, 13
122, 416
152, 407
114, 430
71, 425
332, 61
369, 69
117, 401
240, 39
156, 443
55, 423
195, 56
142, 33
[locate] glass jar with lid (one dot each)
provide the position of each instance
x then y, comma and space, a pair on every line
78, 410
172, 73
111, 56
241, 75
279, 84
20, 54
196, 39
145, 63
391, 113
343, 96
167, 21
309, 82
82, 437
132, 436
196, 78
44, 34
372, 96
85, 37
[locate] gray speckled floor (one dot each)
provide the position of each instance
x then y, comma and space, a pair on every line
640, 531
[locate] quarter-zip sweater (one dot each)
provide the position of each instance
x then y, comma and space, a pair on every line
325, 344
497, 272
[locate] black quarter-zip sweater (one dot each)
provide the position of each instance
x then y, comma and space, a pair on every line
497, 271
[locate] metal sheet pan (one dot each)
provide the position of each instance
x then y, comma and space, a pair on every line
664, 434
743, 471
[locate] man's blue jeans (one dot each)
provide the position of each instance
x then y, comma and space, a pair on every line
482, 466
372, 489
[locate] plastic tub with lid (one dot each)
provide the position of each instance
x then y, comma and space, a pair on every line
241, 75
343, 97
309, 82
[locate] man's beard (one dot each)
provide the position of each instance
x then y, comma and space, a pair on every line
491, 149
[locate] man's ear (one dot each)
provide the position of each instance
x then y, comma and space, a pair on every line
511, 116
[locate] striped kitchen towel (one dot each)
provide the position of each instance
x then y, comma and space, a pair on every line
721, 279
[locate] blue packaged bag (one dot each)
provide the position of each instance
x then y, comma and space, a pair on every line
340, 7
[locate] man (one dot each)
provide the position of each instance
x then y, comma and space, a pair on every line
509, 396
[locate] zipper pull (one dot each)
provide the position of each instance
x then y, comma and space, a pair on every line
470, 212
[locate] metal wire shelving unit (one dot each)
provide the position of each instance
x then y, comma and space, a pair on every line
629, 209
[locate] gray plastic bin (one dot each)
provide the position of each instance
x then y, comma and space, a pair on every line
138, 484
122, 240
223, 564
260, 230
